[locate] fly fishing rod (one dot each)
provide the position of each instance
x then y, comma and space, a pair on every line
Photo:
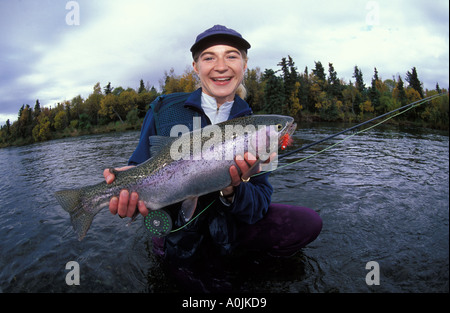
159, 223
405, 107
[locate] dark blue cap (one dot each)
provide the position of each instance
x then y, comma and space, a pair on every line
219, 34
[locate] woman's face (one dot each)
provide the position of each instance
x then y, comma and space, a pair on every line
221, 70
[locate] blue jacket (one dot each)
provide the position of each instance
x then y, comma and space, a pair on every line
251, 199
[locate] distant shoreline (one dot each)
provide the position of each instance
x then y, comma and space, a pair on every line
112, 127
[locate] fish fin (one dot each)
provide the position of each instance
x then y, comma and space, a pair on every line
188, 208
71, 202
157, 142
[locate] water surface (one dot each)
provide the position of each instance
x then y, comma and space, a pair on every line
383, 196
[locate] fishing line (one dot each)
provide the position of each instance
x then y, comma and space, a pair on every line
192, 219
411, 105
160, 222
398, 111
340, 141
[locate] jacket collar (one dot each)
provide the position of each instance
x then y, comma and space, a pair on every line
240, 107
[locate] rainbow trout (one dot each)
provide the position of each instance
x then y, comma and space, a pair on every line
182, 167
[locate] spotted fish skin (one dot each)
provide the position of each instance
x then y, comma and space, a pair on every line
162, 180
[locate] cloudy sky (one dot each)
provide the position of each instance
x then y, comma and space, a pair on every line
54, 50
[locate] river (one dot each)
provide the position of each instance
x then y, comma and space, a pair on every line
383, 196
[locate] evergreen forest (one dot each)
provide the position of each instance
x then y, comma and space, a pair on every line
308, 96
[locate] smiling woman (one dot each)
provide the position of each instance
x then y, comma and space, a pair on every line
240, 214
220, 57
221, 70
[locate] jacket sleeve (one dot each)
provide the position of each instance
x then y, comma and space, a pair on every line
142, 152
252, 199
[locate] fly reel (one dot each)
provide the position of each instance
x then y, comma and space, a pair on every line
159, 223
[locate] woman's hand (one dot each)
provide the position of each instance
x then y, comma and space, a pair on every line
125, 205
248, 165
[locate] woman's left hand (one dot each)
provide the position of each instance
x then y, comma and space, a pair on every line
244, 164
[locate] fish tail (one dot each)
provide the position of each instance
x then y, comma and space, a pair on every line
72, 201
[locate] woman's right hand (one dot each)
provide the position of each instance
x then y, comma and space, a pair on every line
125, 205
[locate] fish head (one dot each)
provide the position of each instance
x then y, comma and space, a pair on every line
271, 133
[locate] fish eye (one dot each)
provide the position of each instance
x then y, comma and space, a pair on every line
279, 127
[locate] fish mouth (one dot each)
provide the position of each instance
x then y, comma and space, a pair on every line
291, 128
284, 136
288, 129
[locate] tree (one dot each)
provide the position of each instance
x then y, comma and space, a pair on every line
414, 82
144, 99
92, 104
117, 91
273, 93
374, 93
303, 92
295, 106
37, 109
319, 72
186, 83
108, 107
41, 131
61, 120
77, 106
255, 90
437, 88
8, 127
399, 92
25, 125
126, 103
290, 78
350, 94
141, 87
108, 89
359, 84
334, 84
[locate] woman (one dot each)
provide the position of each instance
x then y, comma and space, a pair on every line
243, 216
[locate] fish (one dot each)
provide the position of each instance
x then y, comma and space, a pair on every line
182, 167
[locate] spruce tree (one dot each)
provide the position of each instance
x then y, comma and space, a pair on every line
413, 80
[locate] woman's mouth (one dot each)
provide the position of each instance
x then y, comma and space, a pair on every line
221, 80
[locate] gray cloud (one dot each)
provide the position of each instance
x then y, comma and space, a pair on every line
41, 57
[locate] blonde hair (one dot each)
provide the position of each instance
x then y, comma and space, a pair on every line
241, 91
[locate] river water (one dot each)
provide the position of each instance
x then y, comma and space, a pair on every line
383, 196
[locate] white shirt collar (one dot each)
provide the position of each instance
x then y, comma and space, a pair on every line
216, 115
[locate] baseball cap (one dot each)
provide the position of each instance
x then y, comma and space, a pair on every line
219, 34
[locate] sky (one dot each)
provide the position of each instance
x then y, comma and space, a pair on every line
54, 50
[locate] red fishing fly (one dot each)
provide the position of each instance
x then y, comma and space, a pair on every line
286, 140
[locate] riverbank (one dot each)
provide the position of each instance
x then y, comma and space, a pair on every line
76, 132
306, 118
